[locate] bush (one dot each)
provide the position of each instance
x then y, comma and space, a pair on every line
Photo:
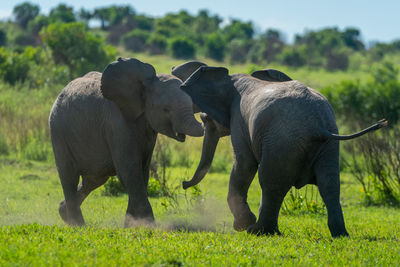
24, 39
157, 44
14, 66
182, 48
359, 104
113, 187
136, 40
337, 60
305, 200
375, 163
79, 50
238, 50
3, 38
215, 47
37, 150
292, 56
3, 146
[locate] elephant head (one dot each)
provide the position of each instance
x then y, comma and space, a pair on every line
136, 89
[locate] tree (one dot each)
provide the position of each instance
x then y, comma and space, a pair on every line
3, 38
25, 12
206, 24
182, 47
136, 40
351, 37
84, 15
157, 44
238, 30
215, 47
79, 50
62, 13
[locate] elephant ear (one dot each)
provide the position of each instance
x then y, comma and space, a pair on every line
184, 70
212, 90
123, 82
271, 75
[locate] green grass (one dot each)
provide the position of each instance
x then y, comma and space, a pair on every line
31, 232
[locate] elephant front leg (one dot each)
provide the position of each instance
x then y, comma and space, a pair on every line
139, 211
242, 175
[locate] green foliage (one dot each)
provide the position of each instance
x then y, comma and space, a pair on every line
25, 12
36, 150
62, 13
238, 50
215, 47
182, 47
3, 38
113, 187
377, 98
73, 46
135, 40
157, 44
306, 200
375, 163
14, 66
293, 56
4, 150
36, 25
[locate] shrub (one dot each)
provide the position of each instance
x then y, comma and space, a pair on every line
238, 50
24, 39
4, 150
183, 48
37, 150
292, 56
136, 40
157, 44
215, 47
359, 104
304, 200
79, 50
3, 38
113, 187
375, 163
14, 66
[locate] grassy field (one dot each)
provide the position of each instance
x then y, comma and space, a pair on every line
193, 228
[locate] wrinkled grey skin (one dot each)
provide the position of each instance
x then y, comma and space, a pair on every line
107, 124
283, 129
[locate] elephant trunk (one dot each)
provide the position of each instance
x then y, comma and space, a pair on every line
210, 142
189, 125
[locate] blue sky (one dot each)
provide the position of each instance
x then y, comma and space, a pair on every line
378, 20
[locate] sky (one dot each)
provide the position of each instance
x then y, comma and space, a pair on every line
378, 20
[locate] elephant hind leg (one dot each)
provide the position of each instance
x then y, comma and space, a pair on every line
69, 209
327, 174
87, 185
274, 184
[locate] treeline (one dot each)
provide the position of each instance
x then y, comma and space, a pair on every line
183, 35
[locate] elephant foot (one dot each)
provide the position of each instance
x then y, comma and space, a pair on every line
62, 209
242, 222
339, 234
131, 221
76, 220
258, 230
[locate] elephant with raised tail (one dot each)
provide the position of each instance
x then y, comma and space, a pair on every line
279, 127
105, 124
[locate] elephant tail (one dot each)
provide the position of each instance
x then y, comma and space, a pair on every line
380, 124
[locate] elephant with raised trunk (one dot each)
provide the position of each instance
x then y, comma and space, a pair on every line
105, 124
279, 127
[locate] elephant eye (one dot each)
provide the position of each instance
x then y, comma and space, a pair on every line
166, 110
